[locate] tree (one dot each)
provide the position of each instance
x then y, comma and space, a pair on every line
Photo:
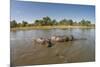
39, 22
70, 22
88, 23
54, 22
46, 20
84, 23
36, 22
19, 25
13, 24
63, 22
24, 23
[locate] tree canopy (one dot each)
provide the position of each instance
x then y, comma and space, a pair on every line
47, 21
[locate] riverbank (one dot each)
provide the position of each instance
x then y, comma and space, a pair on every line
49, 27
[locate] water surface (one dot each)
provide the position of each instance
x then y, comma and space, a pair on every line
25, 52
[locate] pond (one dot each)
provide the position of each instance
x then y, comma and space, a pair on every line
25, 52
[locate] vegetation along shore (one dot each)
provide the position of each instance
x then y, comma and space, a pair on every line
48, 23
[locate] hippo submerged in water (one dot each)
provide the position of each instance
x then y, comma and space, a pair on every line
44, 41
49, 41
62, 38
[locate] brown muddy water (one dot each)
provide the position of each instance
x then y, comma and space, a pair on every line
25, 52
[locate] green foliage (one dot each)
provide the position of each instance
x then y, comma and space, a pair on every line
44, 21
19, 25
54, 22
13, 24
63, 22
47, 21
70, 22
24, 23
39, 22
85, 22
66, 22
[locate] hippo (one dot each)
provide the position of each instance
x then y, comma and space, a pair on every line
50, 41
44, 41
62, 38
40, 40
